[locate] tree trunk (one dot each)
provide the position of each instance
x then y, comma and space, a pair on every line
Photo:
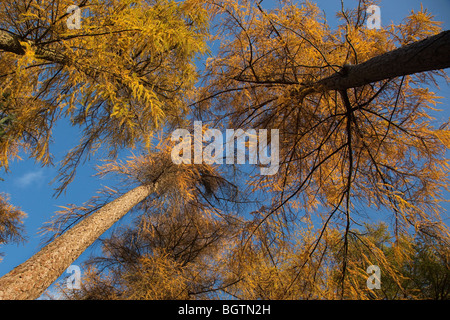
432, 53
11, 43
30, 279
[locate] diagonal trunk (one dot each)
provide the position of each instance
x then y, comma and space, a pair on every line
429, 54
30, 279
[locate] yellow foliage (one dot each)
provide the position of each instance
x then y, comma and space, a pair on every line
130, 71
124, 74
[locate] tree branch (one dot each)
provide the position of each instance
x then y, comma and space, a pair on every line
421, 56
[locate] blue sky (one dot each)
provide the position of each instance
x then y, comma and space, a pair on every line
28, 184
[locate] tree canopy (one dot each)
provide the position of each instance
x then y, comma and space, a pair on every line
120, 77
357, 144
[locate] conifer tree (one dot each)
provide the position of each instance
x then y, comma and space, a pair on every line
353, 109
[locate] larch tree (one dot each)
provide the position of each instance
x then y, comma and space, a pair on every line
76, 228
11, 222
175, 247
355, 130
123, 73
353, 111
353, 107
179, 250
119, 75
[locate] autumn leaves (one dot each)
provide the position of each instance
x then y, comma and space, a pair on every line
339, 144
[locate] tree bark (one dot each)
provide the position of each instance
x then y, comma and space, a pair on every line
432, 53
10, 42
30, 279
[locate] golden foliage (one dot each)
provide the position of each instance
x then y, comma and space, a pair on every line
373, 146
344, 155
119, 77
11, 221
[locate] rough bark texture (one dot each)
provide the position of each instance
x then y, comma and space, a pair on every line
30, 279
432, 53
11, 43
